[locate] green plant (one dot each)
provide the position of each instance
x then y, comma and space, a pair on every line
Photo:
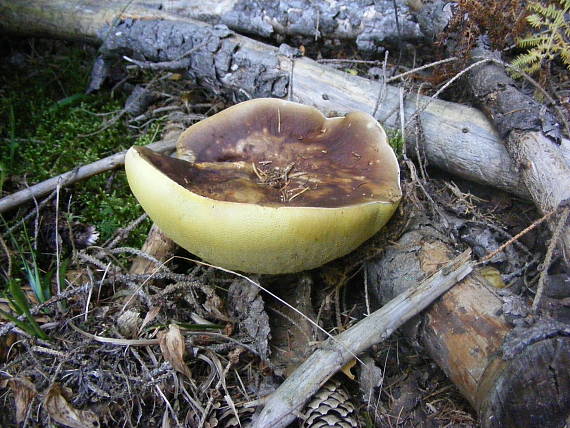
39, 282
396, 141
19, 302
550, 39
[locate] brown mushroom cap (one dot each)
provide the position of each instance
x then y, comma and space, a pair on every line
274, 186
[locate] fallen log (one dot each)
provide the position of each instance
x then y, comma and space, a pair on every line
513, 377
456, 138
531, 133
372, 25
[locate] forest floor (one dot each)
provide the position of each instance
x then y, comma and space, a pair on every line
92, 345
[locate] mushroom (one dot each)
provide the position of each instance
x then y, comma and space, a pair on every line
270, 186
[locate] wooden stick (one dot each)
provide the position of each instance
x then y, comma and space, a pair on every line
281, 407
110, 162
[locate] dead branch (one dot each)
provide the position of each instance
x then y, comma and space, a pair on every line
80, 173
467, 333
530, 134
371, 26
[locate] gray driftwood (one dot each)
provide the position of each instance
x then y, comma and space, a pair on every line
70, 177
457, 138
512, 377
282, 406
371, 24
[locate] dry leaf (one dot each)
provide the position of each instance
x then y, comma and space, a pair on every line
347, 369
149, 317
493, 276
6, 343
173, 348
433, 256
64, 413
24, 393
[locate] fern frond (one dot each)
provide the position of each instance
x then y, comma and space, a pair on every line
565, 55
553, 40
524, 60
534, 68
535, 21
539, 9
532, 41
551, 12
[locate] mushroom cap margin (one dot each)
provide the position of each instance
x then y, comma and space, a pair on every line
249, 237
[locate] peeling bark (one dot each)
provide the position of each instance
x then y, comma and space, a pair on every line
531, 133
371, 24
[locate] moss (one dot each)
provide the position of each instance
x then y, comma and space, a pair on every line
49, 126
396, 141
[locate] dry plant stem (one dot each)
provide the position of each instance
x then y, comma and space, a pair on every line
86, 288
282, 405
110, 162
515, 238
273, 295
423, 67
548, 258
123, 232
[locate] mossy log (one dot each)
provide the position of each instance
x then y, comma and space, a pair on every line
513, 377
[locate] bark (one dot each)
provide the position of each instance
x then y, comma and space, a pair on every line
370, 24
157, 245
510, 381
530, 133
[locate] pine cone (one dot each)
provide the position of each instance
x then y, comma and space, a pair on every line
228, 419
330, 407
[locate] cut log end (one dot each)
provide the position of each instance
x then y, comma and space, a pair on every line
531, 390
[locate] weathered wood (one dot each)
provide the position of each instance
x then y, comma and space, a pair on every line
157, 245
530, 133
280, 408
371, 24
458, 139
80, 173
465, 333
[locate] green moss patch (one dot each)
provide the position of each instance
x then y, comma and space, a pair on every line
49, 126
